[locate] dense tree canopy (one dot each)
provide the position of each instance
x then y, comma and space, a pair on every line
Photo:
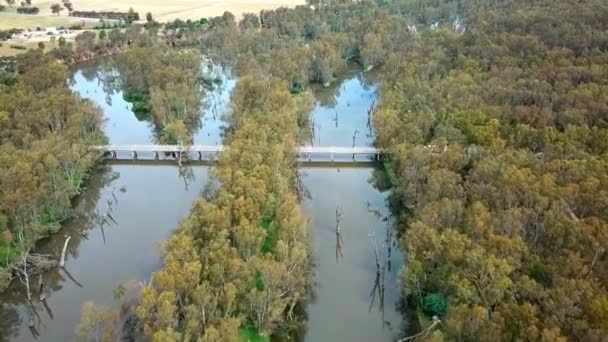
498, 138
45, 135
241, 258
494, 114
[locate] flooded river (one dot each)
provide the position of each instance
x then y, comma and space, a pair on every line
350, 302
128, 209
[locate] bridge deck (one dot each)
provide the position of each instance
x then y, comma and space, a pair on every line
219, 148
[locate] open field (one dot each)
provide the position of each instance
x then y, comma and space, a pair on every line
161, 10
6, 50
10, 20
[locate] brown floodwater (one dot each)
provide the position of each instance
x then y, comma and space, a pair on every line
350, 303
125, 213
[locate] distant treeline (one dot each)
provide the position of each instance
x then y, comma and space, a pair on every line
129, 16
28, 10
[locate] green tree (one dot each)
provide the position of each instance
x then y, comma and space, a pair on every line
250, 21
56, 8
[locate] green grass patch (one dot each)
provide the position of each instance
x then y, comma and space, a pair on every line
8, 254
249, 333
76, 181
272, 236
541, 274
390, 173
49, 219
423, 319
259, 281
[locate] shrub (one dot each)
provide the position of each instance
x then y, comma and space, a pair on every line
7, 34
5, 279
2, 8
541, 274
28, 10
296, 87
18, 47
435, 304
251, 334
76, 27
129, 16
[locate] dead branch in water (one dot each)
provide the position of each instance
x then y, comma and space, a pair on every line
32, 264
425, 332
65, 247
41, 290
379, 280
339, 241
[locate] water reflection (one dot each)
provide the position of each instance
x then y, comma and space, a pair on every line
215, 108
101, 84
125, 213
121, 125
357, 298
342, 113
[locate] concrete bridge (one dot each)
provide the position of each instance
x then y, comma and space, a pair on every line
307, 153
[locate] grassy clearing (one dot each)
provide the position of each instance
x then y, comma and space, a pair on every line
185, 9
10, 20
249, 333
7, 50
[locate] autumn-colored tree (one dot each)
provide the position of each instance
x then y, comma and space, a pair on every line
491, 160
45, 153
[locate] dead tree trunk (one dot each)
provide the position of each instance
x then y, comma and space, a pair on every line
425, 332
65, 247
370, 113
339, 241
379, 281
26, 276
41, 290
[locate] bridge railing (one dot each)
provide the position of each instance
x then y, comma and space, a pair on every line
219, 148
305, 152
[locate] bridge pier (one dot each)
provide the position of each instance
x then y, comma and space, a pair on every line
200, 156
134, 154
155, 155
